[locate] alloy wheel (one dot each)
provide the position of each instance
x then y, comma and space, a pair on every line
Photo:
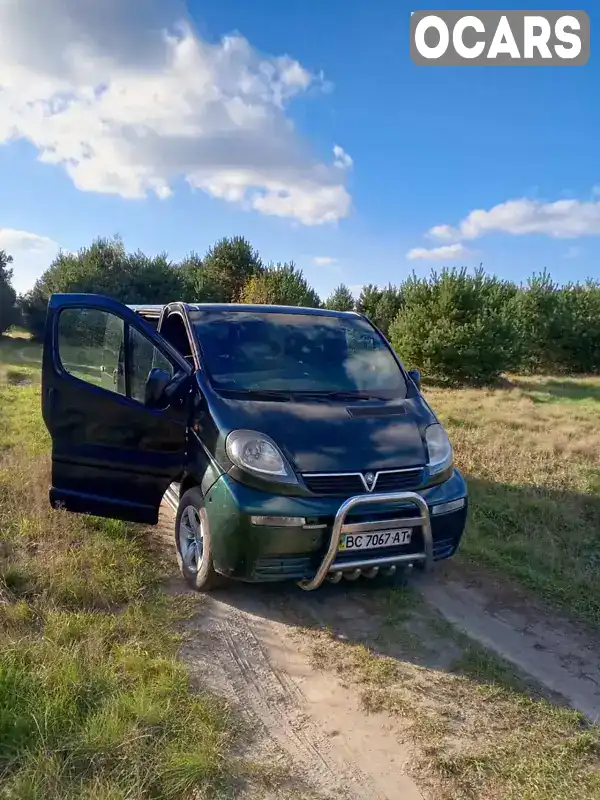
191, 538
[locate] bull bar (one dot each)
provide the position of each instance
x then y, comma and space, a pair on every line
328, 564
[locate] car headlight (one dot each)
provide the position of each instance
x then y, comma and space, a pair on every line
439, 449
258, 454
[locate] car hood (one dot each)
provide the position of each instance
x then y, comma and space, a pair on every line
333, 436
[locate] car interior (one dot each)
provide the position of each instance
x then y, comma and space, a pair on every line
174, 331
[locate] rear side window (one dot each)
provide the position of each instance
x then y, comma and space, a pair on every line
100, 348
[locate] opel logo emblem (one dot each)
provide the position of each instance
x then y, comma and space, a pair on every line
369, 479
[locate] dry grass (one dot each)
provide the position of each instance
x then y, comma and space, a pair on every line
532, 434
531, 455
479, 730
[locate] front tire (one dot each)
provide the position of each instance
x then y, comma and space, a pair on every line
194, 544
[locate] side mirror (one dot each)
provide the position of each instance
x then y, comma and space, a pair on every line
415, 377
156, 384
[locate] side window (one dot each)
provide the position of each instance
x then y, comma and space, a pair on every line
91, 347
143, 356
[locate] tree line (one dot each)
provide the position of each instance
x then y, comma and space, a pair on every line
454, 325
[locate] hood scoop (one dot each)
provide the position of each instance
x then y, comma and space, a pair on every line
365, 412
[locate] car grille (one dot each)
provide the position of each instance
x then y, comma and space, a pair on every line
350, 483
397, 481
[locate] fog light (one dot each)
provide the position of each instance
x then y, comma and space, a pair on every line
445, 508
279, 522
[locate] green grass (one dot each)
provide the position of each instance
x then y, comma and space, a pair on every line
93, 701
552, 390
531, 456
99, 700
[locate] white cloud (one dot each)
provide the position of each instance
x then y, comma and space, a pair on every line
324, 261
342, 159
563, 219
448, 251
573, 252
31, 254
126, 97
444, 233
12, 239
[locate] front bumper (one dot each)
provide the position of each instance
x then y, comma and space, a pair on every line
251, 552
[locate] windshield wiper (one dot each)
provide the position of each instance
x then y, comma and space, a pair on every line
281, 394
340, 395
269, 394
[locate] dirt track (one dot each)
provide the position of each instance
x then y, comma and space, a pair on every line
542, 643
310, 722
252, 644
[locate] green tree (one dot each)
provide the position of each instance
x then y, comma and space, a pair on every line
223, 272
386, 310
559, 325
367, 302
458, 327
8, 297
104, 267
280, 284
536, 309
577, 328
381, 306
189, 270
341, 299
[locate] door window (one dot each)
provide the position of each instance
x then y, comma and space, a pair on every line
92, 347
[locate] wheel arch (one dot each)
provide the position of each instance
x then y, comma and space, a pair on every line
188, 482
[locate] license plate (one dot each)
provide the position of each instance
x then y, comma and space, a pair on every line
369, 541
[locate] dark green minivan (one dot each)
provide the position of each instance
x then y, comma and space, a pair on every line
291, 441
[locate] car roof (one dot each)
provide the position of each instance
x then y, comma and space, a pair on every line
142, 309
268, 309
155, 310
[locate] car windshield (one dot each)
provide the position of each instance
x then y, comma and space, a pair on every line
293, 353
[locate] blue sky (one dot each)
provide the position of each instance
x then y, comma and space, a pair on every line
108, 126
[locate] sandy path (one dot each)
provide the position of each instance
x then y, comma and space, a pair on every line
563, 658
243, 643
244, 647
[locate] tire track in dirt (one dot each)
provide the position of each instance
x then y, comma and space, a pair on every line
273, 698
559, 655
249, 654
